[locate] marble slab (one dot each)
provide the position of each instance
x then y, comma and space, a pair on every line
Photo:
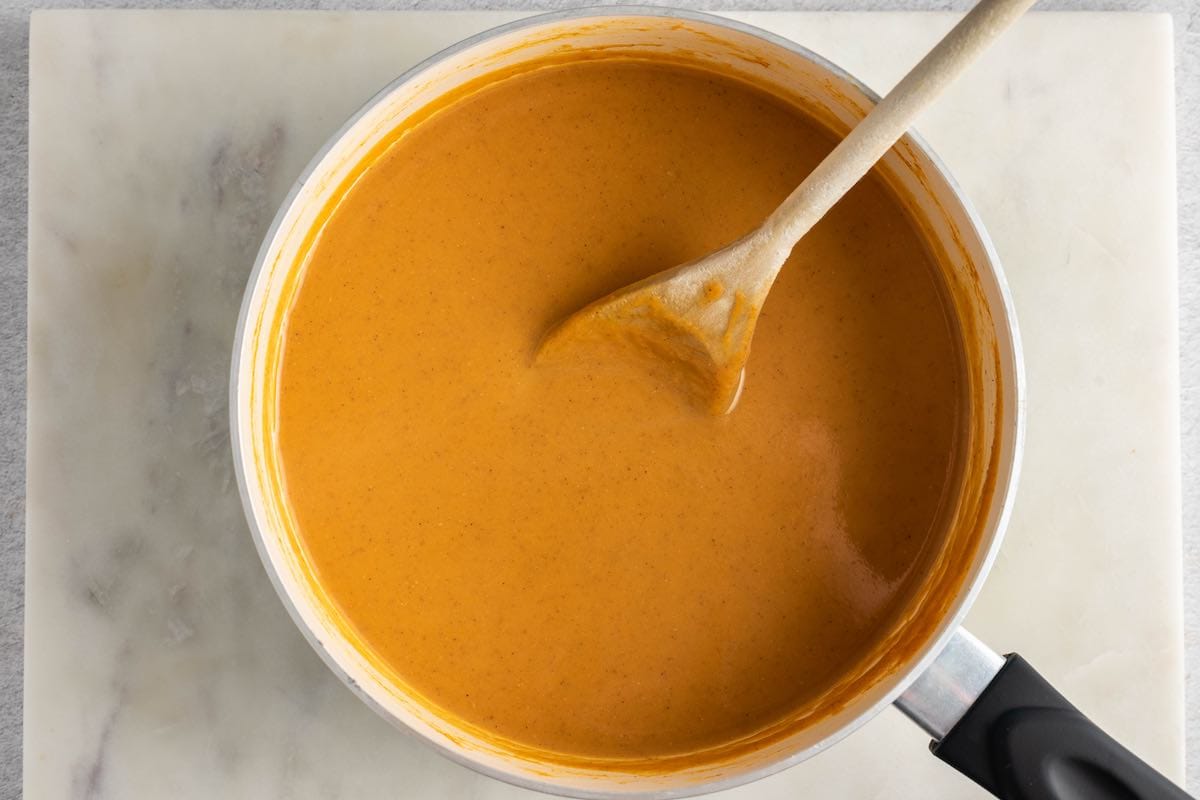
159, 662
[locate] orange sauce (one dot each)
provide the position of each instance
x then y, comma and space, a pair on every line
570, 556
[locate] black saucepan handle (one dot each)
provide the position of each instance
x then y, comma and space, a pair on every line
1022, 740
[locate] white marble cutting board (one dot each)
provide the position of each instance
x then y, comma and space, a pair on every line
159, 663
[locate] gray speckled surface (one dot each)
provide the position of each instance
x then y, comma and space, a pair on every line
13, 92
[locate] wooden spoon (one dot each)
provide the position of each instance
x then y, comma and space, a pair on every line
700, 316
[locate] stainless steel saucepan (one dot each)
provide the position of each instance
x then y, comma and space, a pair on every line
993, 718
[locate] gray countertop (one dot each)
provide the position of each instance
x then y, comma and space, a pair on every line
13, 141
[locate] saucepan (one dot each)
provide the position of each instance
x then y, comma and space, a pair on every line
991, 717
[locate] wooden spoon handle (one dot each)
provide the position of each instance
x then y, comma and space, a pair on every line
888, 121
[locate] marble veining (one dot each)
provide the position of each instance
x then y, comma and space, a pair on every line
159, 662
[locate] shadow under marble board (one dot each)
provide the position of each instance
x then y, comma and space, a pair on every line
159, 662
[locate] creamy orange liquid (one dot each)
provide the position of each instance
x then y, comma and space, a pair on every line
568, 555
